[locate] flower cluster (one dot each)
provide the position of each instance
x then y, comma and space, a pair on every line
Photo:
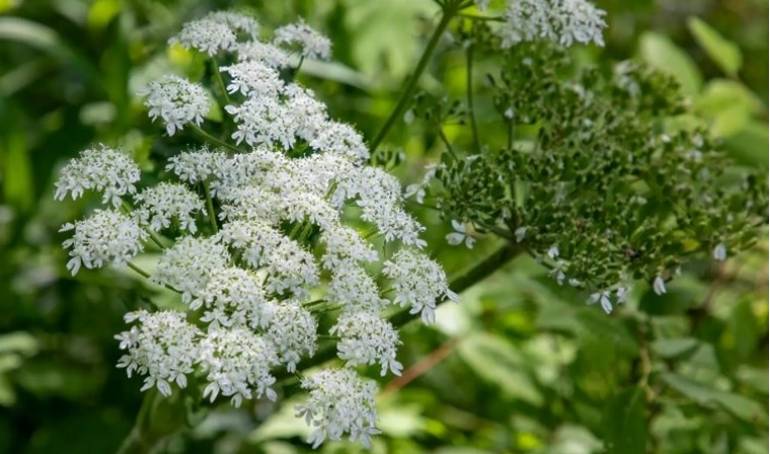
275, 230
564, 22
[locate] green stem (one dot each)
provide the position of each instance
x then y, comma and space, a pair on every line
469, 90
411, 82
220, 81
482, 18
210, 206
201, 132
140, 271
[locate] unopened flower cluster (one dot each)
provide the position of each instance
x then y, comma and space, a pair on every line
255, 233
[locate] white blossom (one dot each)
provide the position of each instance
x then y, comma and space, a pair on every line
605, 297
176, 101
520, 233
189, 265
367, 339
418, 282
207, 35
564, 22
311, 43
267, 54
107, 236
417, 190
291, 268
307, 114
553, 252
163, 346
352, 287
340, 402
720, 252
293, 334
102, 169
233, 298
197, 165
342, 139
460, 235
253, 78
255, 238
659, 285
237, 364
238, 23
342, 244
263, 120
161, 203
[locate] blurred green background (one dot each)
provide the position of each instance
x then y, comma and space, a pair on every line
521, 365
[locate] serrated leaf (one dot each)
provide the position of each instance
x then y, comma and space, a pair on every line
726, 54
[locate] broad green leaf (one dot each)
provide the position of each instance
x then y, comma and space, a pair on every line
498, 361
749, 145
18, 181
728, 104
670, 348
725, 54
660, 52
702, 394
625, 423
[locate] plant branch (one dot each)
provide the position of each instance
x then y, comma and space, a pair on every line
210, 206
411, 83
469, 92
220, 81
201, 132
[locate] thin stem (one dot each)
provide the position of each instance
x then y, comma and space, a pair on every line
200, 131
510, 134
210, 206
140, 271
469, 90
220, 81
444, 139
411, 82
156, 239
482, 18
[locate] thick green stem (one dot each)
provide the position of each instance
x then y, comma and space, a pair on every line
220, 81
411, 82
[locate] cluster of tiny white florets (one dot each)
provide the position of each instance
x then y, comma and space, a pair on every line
418, 281
340, 402
564, 22
159, 204
276, 231
176, 101
310, 43
103, 169
106, 237
163, 347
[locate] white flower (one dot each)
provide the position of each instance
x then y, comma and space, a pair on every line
720, 252
293, 334
195, 166
344, 244
263, 120
267, 54
237, 363
418, 282
206, 35
255, 238
520, 234
417, 190
562, 21
291, 268
553, 252
366, 339
107, 236
341, 139
306, 113
311, 44
461, 234
603, 298
239, 23
163, 347
352, 287
176, 101
340, 402
253, 78
189, 265
102, 169
233, 298
659, 285
160, 203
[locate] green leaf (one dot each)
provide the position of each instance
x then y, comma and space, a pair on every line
661, 53
749, 145
702, 394
498, 361
625, 423
670, 348
728, 104
724, 53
